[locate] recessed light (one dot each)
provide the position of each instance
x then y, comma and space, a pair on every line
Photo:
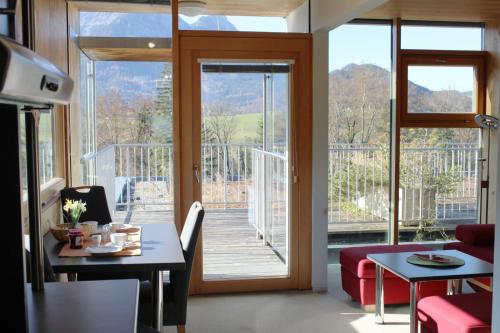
192, 7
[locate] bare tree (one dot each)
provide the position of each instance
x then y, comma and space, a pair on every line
116, 120
219, 126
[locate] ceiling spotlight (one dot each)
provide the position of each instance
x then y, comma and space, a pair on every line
151, 45
192, 7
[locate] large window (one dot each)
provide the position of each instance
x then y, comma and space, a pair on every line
233, 23
438, 144
46, 149
114, 24
359, 133
125, 115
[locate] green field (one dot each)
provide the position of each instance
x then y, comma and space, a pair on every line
246, 127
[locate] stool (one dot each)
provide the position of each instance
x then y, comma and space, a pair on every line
358, 276
464, 313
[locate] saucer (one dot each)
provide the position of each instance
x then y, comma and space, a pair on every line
103, 250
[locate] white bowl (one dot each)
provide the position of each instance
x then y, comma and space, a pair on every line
118, 238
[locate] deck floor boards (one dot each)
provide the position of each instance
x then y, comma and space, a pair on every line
231, 247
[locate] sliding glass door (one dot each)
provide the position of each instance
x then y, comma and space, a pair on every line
244, 169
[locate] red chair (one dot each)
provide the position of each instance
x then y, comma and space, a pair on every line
464, 313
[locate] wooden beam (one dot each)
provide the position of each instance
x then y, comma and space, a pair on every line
280, 8
442, 10
119, 7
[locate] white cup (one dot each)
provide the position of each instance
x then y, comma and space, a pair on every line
115, 226
118, 238
96, 240
92, 225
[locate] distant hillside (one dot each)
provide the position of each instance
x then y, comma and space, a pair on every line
360, 100
359, 94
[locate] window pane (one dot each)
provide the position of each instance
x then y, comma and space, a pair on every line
443, 38
46, 156
133, 137
233, 23
359, 133
439, 175
46, 148
441, 89
105, 24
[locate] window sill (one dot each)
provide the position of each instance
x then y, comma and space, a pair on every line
49, 194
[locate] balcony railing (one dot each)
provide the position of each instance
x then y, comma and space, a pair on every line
439, 183
436, 183
268, 205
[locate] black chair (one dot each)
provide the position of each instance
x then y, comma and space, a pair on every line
97, 210
95, 197
175, 291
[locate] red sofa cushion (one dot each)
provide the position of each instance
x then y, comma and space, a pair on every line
476, 234
464, 313
354, 258
481, 252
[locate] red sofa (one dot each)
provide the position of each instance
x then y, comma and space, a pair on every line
475, 239
358, 276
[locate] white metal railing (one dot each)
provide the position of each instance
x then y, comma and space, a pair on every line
268, 205
46, 162
436, 183
99, 169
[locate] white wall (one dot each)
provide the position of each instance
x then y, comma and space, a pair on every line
298, 19
328, 14
495, 208
320, 162
496, 272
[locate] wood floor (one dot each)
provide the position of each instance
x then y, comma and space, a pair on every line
231, 247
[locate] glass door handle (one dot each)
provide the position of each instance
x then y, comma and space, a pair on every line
196, 170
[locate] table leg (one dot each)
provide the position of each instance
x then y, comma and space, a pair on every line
413, 308
449, 287
379, 294
157, 289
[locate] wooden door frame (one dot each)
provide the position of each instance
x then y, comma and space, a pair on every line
195, 45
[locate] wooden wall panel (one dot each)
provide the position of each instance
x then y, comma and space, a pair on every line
51, 42
51, 32
441, 10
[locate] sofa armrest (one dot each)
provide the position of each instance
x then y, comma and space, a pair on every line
476, 234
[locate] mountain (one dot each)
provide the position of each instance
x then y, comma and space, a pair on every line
360, 102
359, 94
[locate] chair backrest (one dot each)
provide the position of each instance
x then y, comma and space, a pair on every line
188, 238
95, 197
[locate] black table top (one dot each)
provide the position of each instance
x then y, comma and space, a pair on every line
397, 264
161, 250
82, 307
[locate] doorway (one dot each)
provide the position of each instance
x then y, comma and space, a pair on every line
239, 113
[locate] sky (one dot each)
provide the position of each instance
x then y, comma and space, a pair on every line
362, 44
251, 23
371, 44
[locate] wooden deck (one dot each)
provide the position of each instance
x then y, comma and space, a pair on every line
231, 247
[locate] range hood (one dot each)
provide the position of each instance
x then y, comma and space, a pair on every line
27, 78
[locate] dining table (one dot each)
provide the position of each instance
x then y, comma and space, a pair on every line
82, 307
160, 251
